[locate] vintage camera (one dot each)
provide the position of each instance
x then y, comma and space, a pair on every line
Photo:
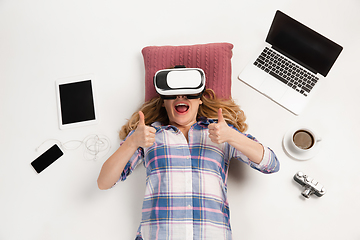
310, 184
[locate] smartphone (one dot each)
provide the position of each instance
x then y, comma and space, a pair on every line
47, 158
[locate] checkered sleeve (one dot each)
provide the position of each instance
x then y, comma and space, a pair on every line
134, 161
269, 163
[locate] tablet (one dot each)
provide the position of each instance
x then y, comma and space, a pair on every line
76, 101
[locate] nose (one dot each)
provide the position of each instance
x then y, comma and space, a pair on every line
181, 96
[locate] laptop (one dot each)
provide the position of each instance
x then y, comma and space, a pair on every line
290, 66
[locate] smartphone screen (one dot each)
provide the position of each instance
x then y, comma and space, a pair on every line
47, 158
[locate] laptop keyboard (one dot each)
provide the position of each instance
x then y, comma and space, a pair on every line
287, 72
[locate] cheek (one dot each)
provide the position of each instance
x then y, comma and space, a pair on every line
197, 105
168, 109
197, 109
167, 104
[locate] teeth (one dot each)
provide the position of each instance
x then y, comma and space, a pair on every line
181, 104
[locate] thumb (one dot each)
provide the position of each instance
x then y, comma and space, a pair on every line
141, 118
220, 116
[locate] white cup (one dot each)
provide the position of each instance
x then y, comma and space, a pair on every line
303, 140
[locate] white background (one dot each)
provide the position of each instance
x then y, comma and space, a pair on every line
42, 41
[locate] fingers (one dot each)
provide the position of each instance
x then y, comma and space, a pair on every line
141, 118
148, 141
149, 137
216, 126
144, 135
215, 137
214, 130
217, 131
213, 126
220, 116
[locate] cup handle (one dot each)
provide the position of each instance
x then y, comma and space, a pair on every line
319, 139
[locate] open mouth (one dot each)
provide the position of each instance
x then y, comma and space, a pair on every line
181, 107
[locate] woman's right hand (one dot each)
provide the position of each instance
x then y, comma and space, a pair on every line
144, 136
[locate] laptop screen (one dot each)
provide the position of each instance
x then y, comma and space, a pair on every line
302, 44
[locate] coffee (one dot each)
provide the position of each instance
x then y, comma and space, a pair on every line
303, 139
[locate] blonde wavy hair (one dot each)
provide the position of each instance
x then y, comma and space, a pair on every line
154, 111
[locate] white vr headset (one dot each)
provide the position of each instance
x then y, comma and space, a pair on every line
180, 81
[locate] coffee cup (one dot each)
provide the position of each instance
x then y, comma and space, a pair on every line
303, 140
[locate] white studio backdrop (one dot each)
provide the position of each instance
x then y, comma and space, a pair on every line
42, 41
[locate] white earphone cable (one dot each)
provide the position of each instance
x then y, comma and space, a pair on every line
95, 146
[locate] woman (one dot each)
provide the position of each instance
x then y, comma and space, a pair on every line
186, 154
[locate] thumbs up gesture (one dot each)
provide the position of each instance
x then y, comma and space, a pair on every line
219, 132
144, 136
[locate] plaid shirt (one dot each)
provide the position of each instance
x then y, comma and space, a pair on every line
186, 191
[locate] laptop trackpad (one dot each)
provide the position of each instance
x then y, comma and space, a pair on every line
273, 88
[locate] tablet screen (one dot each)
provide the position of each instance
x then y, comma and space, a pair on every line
76, 102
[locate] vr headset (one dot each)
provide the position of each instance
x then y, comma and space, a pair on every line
170, 83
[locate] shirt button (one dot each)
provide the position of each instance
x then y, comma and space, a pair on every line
189, 206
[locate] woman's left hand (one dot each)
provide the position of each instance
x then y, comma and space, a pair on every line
220, 132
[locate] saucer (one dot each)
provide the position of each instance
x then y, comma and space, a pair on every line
296, 155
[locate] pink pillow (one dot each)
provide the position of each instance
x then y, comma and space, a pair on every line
213, 58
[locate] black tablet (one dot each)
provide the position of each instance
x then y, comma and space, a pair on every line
76, 101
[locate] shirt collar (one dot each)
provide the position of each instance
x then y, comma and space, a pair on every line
203, 122
158, 126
